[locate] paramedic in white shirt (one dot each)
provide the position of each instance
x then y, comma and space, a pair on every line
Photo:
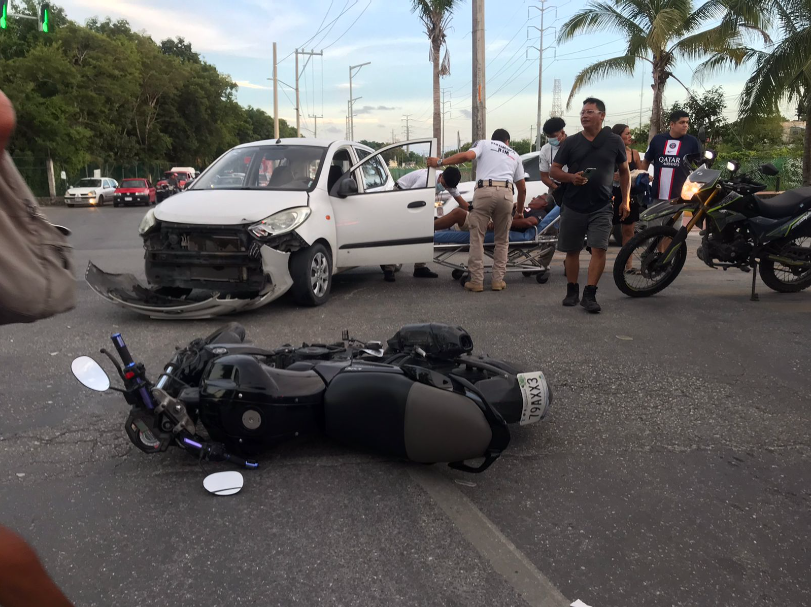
498, 172
448, 179
553, 129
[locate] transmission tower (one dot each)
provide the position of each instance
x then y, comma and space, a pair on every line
557, 106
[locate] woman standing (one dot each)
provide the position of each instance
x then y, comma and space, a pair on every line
628, 224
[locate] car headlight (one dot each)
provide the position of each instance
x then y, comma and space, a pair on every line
690, 189
280, 223
92, 194
148, 222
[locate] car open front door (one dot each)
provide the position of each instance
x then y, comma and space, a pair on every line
380, 224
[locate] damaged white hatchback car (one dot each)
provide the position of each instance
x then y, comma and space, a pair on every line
273, 216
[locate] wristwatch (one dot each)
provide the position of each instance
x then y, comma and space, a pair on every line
439, 162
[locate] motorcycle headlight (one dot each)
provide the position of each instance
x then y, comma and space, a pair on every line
690, 189
280, 223
148, 222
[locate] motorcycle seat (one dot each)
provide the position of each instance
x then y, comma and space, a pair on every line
786, 204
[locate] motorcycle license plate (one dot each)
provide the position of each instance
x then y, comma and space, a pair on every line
535, 392
128, 198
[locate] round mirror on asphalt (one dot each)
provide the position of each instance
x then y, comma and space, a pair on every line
90, 373
223, 483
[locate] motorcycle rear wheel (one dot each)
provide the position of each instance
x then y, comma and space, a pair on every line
785, 279
642, 249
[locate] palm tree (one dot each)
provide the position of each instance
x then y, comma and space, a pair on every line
659, 33
436, 17
782, 72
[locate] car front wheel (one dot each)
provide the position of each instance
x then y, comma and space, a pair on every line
311, 271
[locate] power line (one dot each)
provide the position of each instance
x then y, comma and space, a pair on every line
350, 27
331, 23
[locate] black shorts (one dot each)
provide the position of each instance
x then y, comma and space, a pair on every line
633, 216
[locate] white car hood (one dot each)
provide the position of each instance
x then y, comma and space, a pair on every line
226, 207
84, 190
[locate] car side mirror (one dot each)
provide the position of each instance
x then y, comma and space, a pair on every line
346, 186
769, 169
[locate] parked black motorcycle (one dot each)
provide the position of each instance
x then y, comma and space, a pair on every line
424, 397
742, 231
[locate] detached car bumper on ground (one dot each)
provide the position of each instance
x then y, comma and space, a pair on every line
267, 218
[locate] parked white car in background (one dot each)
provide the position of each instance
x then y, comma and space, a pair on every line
535, 187
92, 191
273, 216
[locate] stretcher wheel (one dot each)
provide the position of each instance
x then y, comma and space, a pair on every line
528, 274
542, 278
457, 274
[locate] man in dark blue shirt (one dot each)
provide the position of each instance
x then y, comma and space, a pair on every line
666, 152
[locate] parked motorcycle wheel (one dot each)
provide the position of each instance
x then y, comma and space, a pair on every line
642, 249
311, 270
785, 279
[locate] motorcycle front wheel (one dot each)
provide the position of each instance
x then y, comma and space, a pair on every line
646, 277
786, 278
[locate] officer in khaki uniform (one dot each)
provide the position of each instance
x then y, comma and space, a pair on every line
499, 173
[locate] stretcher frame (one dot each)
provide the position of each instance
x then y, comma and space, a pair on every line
522, 256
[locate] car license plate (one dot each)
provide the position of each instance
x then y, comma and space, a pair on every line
128, 198
535, 392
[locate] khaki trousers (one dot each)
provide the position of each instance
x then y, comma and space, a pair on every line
490, 203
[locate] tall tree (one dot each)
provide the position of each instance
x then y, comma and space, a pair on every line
659, 33
781, 72
436, 17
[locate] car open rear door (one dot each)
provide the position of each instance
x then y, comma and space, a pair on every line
381, 224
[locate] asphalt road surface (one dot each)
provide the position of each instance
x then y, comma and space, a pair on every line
672, 470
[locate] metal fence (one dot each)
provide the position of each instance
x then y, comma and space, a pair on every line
789, 177
35, 173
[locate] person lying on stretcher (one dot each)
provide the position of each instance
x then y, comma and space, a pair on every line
536, 215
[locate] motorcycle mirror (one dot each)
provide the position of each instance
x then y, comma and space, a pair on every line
769, 169
90, 374
702, 134
224, 483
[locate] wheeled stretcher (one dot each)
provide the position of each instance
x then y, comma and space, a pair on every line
529, 252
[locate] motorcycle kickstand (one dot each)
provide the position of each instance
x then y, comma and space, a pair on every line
755, 296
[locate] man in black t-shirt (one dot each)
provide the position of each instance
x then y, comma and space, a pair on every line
666, 152
587, 209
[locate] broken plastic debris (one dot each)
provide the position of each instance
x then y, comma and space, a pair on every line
20, 474
625, 338
54, 353
578, 603
464, 483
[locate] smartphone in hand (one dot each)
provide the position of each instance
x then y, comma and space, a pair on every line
589, 173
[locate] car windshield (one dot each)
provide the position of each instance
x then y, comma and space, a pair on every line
272, 167
133, 183
89, 183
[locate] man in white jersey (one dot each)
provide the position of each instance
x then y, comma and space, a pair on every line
499, 171
448, 179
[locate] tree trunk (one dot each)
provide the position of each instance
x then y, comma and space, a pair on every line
436, 49
807, 139
656, 112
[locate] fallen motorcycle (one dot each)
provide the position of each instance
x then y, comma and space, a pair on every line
424, 397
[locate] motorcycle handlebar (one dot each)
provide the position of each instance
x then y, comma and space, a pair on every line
122, 349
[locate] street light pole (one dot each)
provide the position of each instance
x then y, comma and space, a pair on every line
275, 95
352, 100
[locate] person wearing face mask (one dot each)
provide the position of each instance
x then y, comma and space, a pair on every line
553, 129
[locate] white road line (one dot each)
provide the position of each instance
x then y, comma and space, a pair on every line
507, 560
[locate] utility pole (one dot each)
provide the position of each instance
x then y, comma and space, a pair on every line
406, 117
531, 127
310, 54
542, 9
641, 94
351, 100
348, 109
315, 128
479, 106
275, 95
442, 144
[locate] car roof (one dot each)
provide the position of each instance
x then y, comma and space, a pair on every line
319, 143
529, 155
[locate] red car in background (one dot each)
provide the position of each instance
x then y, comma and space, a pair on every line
135, 191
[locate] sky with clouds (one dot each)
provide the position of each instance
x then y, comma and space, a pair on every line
237, 36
